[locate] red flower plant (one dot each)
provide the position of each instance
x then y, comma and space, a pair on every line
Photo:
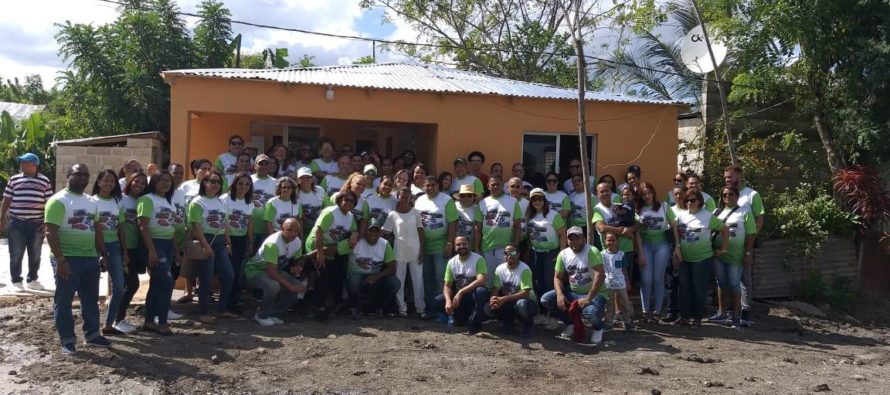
865, 194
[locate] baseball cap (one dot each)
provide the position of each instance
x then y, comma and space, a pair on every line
575, 230
303, 171
375, 223
460, 161
536, 192
262, 157
370, 168
29, 157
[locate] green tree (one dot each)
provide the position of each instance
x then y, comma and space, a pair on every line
213, 35
364, 60
32, 92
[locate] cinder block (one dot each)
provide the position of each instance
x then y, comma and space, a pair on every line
135, 143
121, 151
97, 151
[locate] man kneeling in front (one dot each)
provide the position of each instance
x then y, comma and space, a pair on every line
275, 270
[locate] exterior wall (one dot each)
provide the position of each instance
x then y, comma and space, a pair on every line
97, 158
206, 111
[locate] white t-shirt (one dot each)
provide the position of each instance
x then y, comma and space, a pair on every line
379, 207
312, 203
612, 263
466, 220
283, 209
239, 213
189, 189
465, 272
263, 190
404, 227
369, 259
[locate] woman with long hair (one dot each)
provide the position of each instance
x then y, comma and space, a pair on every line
239, 207
547, 235
558, 200
445, 180
156, 212
656, 251
326, 163
283, 157
312, 199
356, 184
333, 237
133, 255
107, 196
207, 217
283, 206
382, 201
728, 267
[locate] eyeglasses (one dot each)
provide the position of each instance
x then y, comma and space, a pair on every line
511, 253
552, 181
691, 200
236, 142
283, 187
213, 181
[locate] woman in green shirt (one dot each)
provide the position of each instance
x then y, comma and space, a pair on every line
156, 214
107, 196
547, 234
207, 216
239, 207
333, 237
656, 252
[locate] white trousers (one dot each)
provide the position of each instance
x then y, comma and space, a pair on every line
416, 270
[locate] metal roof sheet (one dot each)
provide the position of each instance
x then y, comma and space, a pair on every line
409, 77
20, 110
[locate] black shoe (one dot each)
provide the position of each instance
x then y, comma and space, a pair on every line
746, 315
670, 317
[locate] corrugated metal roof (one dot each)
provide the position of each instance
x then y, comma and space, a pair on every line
20, 110
409, 77
103, 140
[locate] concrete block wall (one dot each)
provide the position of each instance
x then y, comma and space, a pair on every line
97, 158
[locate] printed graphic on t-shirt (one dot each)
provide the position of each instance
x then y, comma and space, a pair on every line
179, 218
653, 223
260, 198
231, 169
215, 219
368, 264
338, 233
462, 280
130, 216
732, 228
555, 206
464, 227
689, 234
577, 211
165, 217
310, 213
377, 213
238, 219
537, 233
432, 220
498, 219
109, 220
508, 289
81, 220
577, 278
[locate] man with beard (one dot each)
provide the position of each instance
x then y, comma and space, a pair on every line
464, 295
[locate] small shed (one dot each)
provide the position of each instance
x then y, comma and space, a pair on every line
107, 152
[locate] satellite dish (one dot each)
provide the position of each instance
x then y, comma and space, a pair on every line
694, 52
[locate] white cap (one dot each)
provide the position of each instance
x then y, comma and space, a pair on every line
303, 171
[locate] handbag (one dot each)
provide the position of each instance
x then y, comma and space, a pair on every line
194, 250
715, 235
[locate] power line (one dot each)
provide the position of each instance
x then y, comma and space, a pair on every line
438, 46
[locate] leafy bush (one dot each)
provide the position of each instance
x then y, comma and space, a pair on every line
808, 216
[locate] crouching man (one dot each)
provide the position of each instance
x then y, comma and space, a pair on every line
512, 294
464, 295
275, 270
371, 270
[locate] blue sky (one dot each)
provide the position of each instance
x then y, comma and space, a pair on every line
28, 46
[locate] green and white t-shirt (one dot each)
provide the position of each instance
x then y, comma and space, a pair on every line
369, 259
312, 203
161, 215
542, 231
608, 216
577, 217
332, 183
360, 211
263, 190
523, 207
435, 214
695, 234
498, 216
654, 223
379, 207
275, 250
75, 215
751, 199
327, 167
239, 213
227, 163
210, 212
277, 211
613, 263
336, 227
467, 217
741, 226
111, 215
461, 273
577, 267
558, 201
710, 203
131, 226
510, 281
456, 183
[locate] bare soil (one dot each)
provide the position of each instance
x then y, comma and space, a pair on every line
783, 353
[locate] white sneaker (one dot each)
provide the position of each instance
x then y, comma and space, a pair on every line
173, 316
552, 324
18, 286
125, 326
276, 320
263, 321
568, 332
35, 286
597, 337
541, 319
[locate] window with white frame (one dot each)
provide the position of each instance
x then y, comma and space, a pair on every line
543, 152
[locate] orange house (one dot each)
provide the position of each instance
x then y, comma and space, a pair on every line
438, 112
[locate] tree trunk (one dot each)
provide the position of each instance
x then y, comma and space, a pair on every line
582, 134
835, 160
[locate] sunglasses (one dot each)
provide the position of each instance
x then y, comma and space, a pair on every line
466, 195
552, 181
691, 200
236, 143
511, 253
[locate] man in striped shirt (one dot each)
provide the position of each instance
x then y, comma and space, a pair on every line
21, 215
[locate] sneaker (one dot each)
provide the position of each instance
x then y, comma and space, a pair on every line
630, 327
111, 331
568, 332
35, 286
173, 316
720, 316
263, 321
597, 336
541, 319
69, 349
736, 323
403, 314
125, 326
276, 320
99, 341
552, 324
746, 315
669, 318
18, 287
425, 316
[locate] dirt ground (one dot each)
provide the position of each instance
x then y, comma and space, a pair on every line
784, 353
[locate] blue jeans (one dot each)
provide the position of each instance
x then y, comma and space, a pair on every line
694, 280
543, 266
276, 299
222, 266
729, 276
433, 277
160, 287
472, 306
84, 280
592, 314
658, 256
381, 294
239, 255
523, 309
24, 235
116, 274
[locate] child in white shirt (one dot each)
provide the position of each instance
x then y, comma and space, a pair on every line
615, 282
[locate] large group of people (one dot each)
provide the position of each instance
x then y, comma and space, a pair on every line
341, 232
